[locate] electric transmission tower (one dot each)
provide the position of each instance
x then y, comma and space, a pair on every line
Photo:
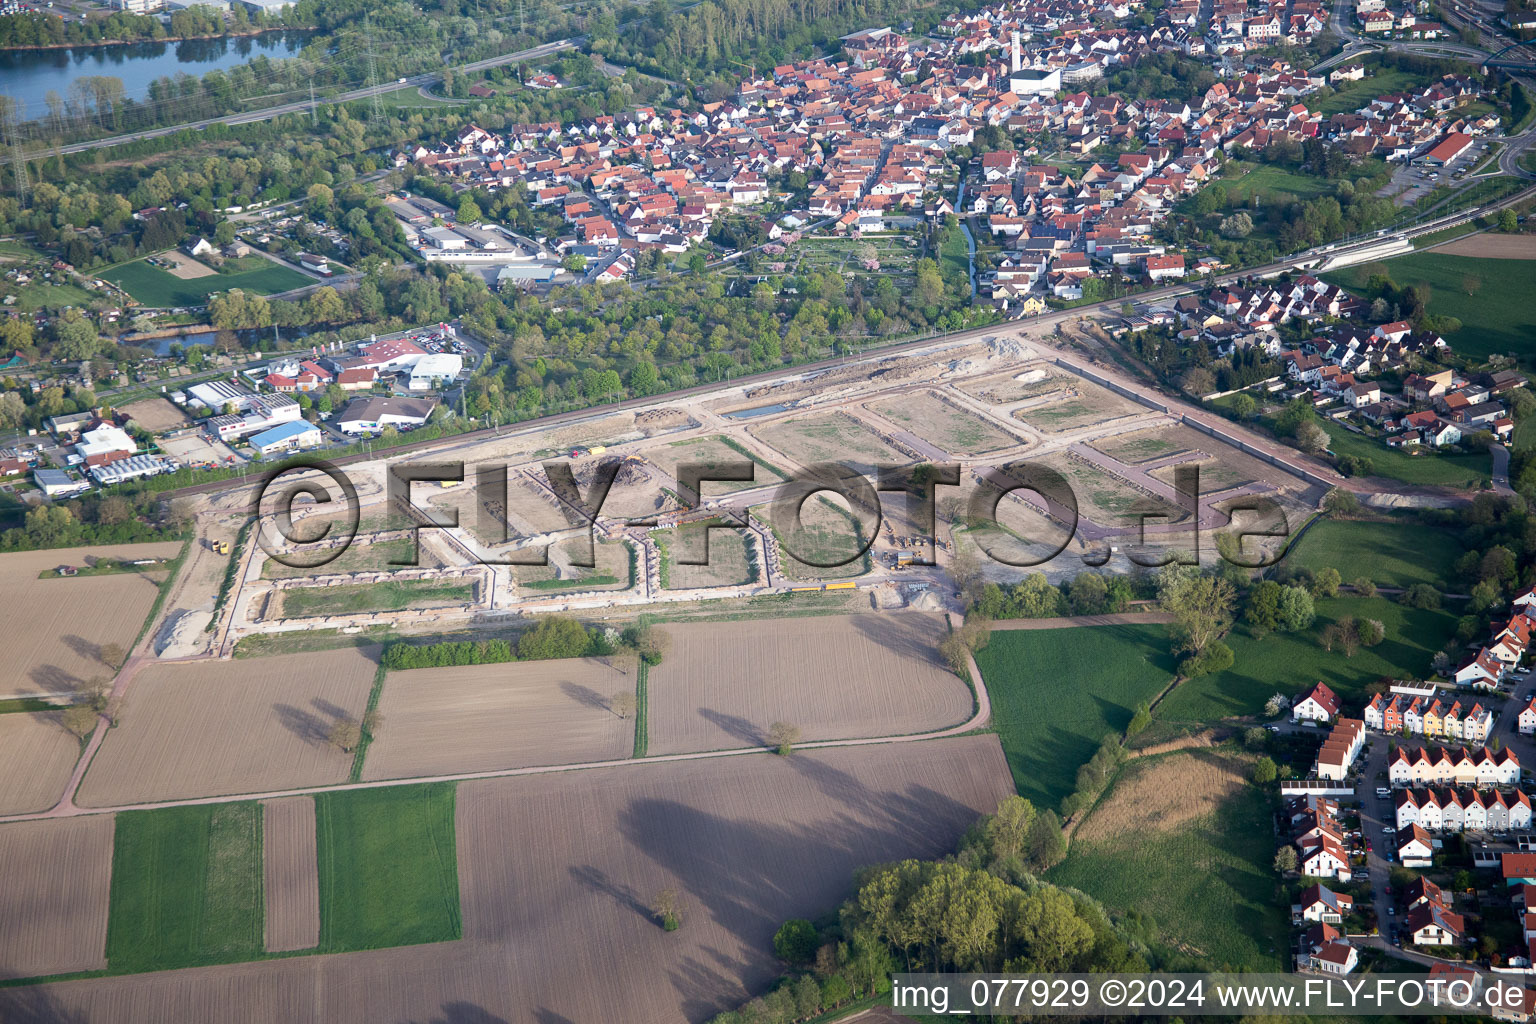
12, 132
377, 109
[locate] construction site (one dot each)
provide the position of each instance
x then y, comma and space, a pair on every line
472, 552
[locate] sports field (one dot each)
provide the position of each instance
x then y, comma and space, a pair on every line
1052, 703
161, 289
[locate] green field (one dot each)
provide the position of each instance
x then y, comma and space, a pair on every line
301, 602
1290, 662
1206, 885
1428, 468
186, 887
42, 294
1351, 96
1495, 318
1390, 554
1262, 178
388, 867
1052, 703
155, 287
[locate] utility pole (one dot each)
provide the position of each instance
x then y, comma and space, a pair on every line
373, 69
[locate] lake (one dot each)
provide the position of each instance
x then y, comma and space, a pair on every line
28, 75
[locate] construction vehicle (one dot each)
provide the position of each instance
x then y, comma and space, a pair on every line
221, 547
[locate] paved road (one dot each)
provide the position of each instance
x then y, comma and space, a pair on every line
267, 113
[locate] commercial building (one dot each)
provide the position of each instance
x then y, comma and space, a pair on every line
287, 437
437, 368
369, 415
134, 468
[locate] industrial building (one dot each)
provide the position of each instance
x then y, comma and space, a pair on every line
287, 437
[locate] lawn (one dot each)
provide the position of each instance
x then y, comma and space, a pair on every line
1351, 96
1052, 705
155, 287
1262, 178
1206, 886
301, 602
1461, 471
1495, 318
186, 887
1390, 554
388, 867
1289, 662
42, 294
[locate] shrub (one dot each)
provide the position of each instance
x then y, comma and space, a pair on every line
796, 941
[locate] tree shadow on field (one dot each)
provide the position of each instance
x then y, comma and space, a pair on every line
52, 679
310, 726
83, 647
584, 695
901, 635
544, 1015
750, 875
597, 880
467, 1013
34, 1005
735, 725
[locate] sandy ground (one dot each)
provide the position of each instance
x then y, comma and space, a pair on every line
555, 873
57, 627
292, 881
724, 684
1490, 245
53, 903
155, 415
187, 268
437, 721
36, 758
211, 729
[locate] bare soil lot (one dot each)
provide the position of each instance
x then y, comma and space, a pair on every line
947, 426
186, 268
53, 903
292, 883
724, 684
1107, 499
827, 437
155, 415
57, 627
1082, 404
561, 574
710, 451
1003, 388
564, 865
730, 556
230, 727
1493, 246
36, 758
438, 721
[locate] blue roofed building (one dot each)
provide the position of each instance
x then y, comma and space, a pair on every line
287, 437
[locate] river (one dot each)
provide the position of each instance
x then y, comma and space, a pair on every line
28, 75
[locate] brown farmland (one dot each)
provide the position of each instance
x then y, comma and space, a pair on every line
53, 903
292, 879
57, 627
36, 758
724, 684
555, 872
438, 721
219, 728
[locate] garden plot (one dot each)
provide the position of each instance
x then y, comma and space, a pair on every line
53, 903
58, 627
221, 728
723, 685
948, 426
37, 756
828, 437
730, 552
712, 451
438, 721
612, 571
1109, 500
1083, 404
